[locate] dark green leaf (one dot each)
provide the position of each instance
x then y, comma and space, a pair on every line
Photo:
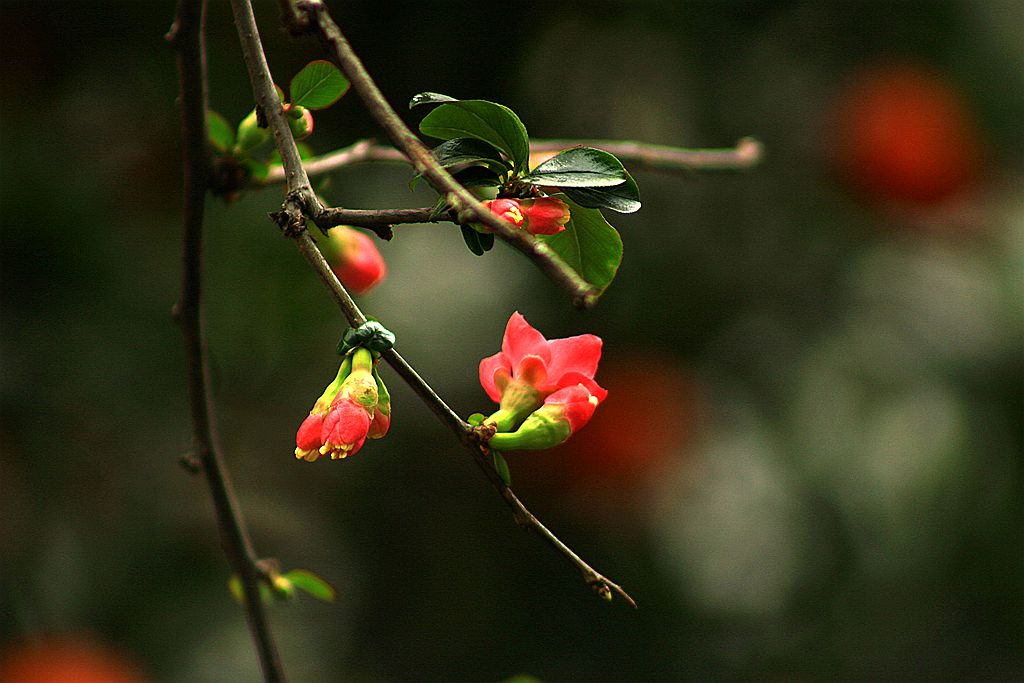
320, 84
477, 176
219, 131
429, 98
486, 240
579, 167
501, 467
472, 239
311, 583
624, 198
588, 245
493, 123
465, 151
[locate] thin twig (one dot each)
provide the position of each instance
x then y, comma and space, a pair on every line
747, 153
301, 201
468, 207
186, 35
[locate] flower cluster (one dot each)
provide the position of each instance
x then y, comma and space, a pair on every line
539, 216
354, 407
545, 389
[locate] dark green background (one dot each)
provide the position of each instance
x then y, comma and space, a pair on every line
846, 503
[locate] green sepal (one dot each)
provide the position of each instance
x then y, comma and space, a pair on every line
501, 467
539, 431
370, 334
476, 419
383, 395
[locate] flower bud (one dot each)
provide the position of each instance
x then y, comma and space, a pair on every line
509, 209
307, 438
545, 215
347, 423
564, 412
381, 421
249, 133
354, 258
300, 120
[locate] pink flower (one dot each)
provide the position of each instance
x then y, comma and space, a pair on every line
530, 368
354, 258
575, 405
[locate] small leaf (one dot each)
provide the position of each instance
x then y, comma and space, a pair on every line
501, 467
257, 169
493, 123
429, 98
472, 240
476, 419
579, 167
235, 586
309, 582
588, 245
320, 84
219, 131
624, 198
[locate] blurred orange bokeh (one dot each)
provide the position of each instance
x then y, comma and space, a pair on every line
65, 660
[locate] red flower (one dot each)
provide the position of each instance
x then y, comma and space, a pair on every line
344, 429
575, 405
545, 215
508, 209
355, 260
529, 368
540, 216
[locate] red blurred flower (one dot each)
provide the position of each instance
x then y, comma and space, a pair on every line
529, 368
354, 258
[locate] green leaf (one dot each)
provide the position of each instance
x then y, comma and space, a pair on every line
501, 467
472, 239
466, 151
320, 84
579, 167
493, 123
476, 419
624, 198
306, 580
235, 586
219, 131
429, 98
257, 169
477, 176
588, 245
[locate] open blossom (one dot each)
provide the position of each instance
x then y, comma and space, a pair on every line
563, 414
539, 216
529, 368
354, 258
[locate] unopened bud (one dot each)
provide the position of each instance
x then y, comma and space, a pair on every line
249, 133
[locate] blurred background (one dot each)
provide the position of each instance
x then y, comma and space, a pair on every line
809, 466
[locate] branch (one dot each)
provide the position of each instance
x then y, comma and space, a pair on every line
291, 219
186, 35
318, 20
747, 153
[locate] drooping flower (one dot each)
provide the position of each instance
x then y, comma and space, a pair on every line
340, 421
381, 421
529, 368
563, 414
354, 258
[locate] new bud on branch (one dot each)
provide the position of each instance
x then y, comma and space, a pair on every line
530, 369
354, 407
354, 258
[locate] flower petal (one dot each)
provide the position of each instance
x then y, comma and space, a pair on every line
488, 367
523, 340
573, 378
574, 354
